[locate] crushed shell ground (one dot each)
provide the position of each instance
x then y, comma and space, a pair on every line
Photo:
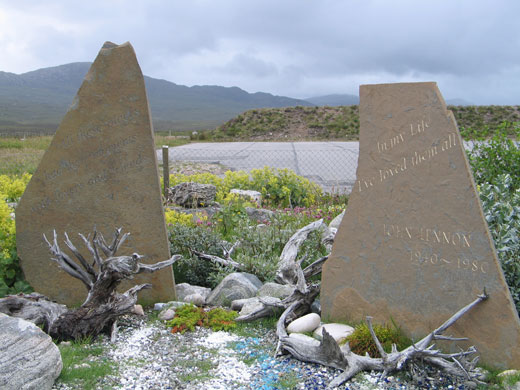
149, 356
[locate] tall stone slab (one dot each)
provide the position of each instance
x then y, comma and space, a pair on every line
413, 245
99, 171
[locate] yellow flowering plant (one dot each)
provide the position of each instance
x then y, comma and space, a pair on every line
11, 279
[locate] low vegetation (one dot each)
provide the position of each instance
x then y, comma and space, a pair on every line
478, 122
496, 165
279, 187
189, 316
19, 156
342, 123
84, 365
361, 340
292, 123
11, 276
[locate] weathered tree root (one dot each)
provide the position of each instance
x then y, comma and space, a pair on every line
329, 353
289, 272
101, 277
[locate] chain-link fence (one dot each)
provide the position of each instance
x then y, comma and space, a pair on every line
332, 165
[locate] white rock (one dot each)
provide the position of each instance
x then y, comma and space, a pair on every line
237, 285
195, 299
138, 309
254, 304
339, 332
276, 290
167, 314
307, 323
159, 306
185, 289
251, 305
238, 304
255, 196
508, 373
174, 304
300, 336
28, 357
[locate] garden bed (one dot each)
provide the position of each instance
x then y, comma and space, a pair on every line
146, 355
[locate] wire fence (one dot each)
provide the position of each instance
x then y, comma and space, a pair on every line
23, 133
333, 167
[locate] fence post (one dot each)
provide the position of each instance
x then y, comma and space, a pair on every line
166, 170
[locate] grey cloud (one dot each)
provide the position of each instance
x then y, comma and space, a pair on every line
295, 47
248, 65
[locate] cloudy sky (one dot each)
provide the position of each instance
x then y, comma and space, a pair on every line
297, 48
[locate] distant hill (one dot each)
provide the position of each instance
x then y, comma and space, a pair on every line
458, 102
342, 123
334, 100
39, 99
292, 123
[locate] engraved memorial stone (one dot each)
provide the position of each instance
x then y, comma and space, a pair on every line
413, 245
99, 171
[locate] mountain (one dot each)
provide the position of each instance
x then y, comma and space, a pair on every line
40, 98
348, 100
334, 100
458, 102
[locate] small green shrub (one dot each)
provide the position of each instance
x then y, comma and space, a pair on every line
12, 187
188, 316
11, 276
494, 157
284, 188
361, 340
174, 217
228, 219
501, 206
279, 187
190, 269
220, 319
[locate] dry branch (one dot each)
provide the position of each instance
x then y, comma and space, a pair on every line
227, 262
103, 304
329, 353
289, 270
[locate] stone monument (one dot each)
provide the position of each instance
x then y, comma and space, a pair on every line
99, 171
413, 246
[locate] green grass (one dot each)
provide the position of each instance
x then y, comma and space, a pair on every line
194, 369
172, 141
15, 162
287, 381
83, 365
37, 143
18, 156
496, 382
254, 328
300, 123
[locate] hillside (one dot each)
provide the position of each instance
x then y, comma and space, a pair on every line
342, 123
39, 99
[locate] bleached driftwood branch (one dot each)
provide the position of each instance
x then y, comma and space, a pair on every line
290, 273
227, 262
329, 353
289, 269
101, 277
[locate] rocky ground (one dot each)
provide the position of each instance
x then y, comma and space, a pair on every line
149, 356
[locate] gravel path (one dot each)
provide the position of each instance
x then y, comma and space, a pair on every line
150, 357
